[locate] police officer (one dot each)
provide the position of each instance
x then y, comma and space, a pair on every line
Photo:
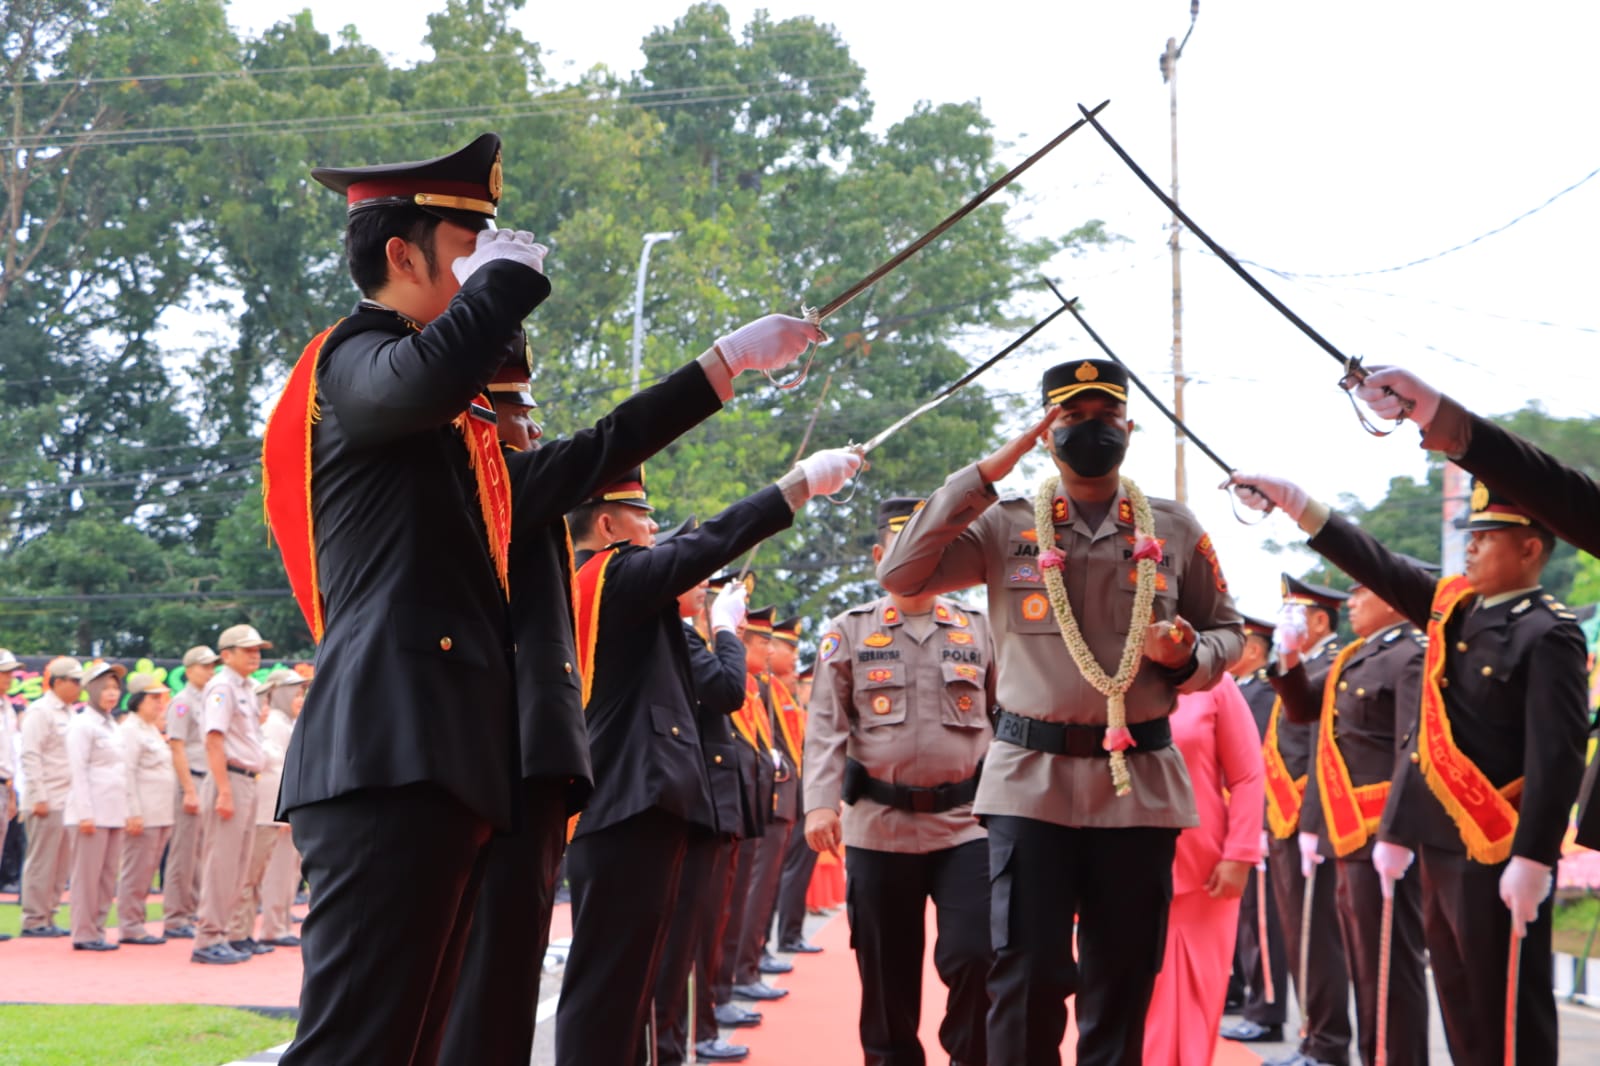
1307, 641
151, 789
1362, 704
186, 735
47, 778
700, 916
1492, 768
800, 860
235, 757
1259, 960
651, 788
898, 729
1075, 829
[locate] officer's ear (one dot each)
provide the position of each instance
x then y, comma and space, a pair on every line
877, 553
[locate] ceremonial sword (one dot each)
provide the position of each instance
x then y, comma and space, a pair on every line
1307, 898
815, 315
1513, 979
1385, 953
1354, 372
1261, 932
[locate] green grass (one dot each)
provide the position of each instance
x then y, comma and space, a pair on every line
1574, 918
11, 917
177, 1035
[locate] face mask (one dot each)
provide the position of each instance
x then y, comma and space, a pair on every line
1092, 448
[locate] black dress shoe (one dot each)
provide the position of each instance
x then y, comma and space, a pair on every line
143, 940
759, 991
4, 937
733, 1016
799, 947
290, 941
183, 932
719, 1050
769, 964
92, 945
45, 931
1248, 1032
250, 946
218, 955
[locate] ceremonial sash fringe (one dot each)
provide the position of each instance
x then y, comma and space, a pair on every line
1351, 811
1284, 793
1485, 816
791, 721
588, 586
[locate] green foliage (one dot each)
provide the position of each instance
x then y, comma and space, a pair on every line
128, 445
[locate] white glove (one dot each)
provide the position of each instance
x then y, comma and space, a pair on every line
827, 471
1402, 385
768, 343
513, 244
1524, 886
1309, 859
1391, 861
1290, 636
1266, 841
1256, 491
729, 608
777, 759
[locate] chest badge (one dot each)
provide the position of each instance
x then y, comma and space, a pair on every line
878, 640
959, 638
878, 676
1035, 606
967, 673
964, 703
881, 704
1058, 509
1125, 511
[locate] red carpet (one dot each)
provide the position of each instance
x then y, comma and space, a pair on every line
816, 1023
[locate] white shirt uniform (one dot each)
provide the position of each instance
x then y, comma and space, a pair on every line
99, 772
152, 780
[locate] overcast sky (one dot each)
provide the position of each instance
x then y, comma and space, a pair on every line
1328, 139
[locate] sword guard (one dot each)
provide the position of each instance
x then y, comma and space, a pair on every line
839, 500
1355, 374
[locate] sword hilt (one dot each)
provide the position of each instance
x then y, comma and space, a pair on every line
1356, 374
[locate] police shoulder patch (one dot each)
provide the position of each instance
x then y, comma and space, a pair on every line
827, 646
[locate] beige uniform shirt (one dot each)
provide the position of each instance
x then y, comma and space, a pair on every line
965, 536
185, 722
275, 734
231, 707
99, 771
8, 730
912, 709
152, 780
45, 772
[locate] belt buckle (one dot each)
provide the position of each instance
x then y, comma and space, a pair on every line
922, 800
1015, 726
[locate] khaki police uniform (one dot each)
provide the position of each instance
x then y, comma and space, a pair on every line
152, 788
267, 835
898, 728
46, 779
282, 876
180, 885
1061, 842
230, 708
98, 793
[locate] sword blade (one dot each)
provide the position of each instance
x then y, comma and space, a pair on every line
1261, 935
960, 213
1350, 365
1307, 898
1385, 951
965, 380
1513, 978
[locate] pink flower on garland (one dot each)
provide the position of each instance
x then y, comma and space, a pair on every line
1053, 559
1118, 739
1147, 547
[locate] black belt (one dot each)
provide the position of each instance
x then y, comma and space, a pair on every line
859, 784
196, 773
1082, 741
241, 771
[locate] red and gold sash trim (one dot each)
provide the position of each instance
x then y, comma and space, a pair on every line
752, 720
1284, 793
286, 481
588, 585
482, 437
1351, 811
1485, 816
791, 721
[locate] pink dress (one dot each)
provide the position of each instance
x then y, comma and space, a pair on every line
1217, 736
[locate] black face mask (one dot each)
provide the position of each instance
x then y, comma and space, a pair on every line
1092, 448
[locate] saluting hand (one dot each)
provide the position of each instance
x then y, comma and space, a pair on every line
1170, 644
998, 464
517, 246
728, 610
824, 831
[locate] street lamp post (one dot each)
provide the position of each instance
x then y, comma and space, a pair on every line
650, 240
1169, 74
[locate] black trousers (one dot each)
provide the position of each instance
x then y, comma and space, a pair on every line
744, 862
492, 1020
383, 943
706, 859
1360, 903
765, 872
886, 896
624, 887
1325, 1001
1118, 882
1249, 952
798, 862
1468, 931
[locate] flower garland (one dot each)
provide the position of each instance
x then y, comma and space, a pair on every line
1114, 689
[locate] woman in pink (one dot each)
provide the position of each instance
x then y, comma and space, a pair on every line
1217, 736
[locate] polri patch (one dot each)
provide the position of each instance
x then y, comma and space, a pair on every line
828, 645
878, 640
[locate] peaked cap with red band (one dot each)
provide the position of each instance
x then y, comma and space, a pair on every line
1490, 510
510, 383
462, 187
628, 489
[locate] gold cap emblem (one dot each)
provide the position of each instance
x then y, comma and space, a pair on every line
496, 179
1480, 496
1087, 372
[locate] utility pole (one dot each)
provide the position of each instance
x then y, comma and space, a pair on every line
1169, 74
650, 240
1452, 542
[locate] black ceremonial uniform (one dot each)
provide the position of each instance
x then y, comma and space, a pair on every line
1376, 692
493, 1019
1248, 954
1325, 999
651, 789
1513, 692
410, 733
766, 871
695, 939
